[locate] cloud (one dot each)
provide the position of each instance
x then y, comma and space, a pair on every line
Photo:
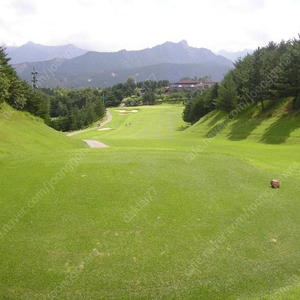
245, 6
111, 25
23, 7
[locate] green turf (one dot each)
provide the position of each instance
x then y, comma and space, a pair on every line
164, 213
23, 134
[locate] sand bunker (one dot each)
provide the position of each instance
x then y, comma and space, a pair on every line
103, 129
123, 112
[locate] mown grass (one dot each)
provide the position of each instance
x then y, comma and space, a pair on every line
161, 214
23, 134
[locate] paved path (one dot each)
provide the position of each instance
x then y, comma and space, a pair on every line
92, 143
95, 144
109, 118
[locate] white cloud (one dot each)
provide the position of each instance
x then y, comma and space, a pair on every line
112, 25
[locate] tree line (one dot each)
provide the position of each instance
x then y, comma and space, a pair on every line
70, 109
61, 109
73, 109
269, 73
18, 93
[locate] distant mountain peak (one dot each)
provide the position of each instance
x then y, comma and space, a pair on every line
233, 56
184, 43
29, 43
169, 61
32, 52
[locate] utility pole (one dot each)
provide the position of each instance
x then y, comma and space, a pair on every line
34, 79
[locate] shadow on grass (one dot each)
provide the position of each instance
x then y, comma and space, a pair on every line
215, 116
216, 129
242, 128
182, 128
249, 119
218, 115
280, 130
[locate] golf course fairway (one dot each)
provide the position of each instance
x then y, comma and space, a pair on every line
165, 212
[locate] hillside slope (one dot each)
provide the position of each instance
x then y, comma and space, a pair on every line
21, 133
277, 125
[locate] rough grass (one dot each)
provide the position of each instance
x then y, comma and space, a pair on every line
162, 214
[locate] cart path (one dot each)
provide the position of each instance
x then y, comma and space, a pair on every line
109, 118
93, 143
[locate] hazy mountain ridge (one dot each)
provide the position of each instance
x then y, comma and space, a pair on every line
178, 53
31, 52
105, 68
172, 72
233, 56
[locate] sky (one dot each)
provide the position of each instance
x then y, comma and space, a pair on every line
113, 25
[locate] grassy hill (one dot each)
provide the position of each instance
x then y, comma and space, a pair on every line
277, 125
164, 213
22, 133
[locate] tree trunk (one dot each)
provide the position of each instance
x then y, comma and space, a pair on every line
262, 105
295, 101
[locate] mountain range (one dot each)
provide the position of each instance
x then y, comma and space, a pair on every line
31, 52
70, 66
233, 56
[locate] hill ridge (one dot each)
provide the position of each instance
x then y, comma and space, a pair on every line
32, 52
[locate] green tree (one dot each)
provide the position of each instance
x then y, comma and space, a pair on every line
256, 77
4, 88
187, 114
227, 95
210, 96
197, 108
37, 105
99, 108
288, 83
12, 89
149, 98
4, 76
110, 98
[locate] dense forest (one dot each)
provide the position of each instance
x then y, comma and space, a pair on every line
270, 73
71, 109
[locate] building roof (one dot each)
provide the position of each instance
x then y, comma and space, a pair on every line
194, 82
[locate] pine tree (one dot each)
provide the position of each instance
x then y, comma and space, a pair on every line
227, 95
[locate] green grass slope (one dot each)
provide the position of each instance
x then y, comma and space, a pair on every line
22, 133
277, 125
164, 213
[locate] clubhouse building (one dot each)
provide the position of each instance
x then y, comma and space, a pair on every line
191, 85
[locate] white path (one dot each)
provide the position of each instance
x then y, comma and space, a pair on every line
92, 143
95, 144
109, 118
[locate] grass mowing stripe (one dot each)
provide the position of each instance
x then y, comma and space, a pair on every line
162, 228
